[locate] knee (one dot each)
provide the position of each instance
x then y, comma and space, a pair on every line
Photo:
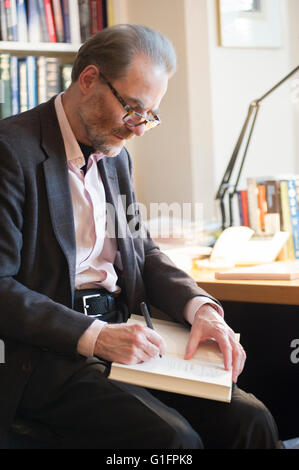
259, 429
183, 436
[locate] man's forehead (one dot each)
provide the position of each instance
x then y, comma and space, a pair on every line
144, 84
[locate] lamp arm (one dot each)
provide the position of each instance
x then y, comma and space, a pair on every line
233, 192
224, 185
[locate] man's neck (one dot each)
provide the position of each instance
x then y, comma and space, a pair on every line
70, 107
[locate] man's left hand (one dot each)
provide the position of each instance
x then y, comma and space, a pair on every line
208, 323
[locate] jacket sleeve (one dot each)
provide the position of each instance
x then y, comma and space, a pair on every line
27, 315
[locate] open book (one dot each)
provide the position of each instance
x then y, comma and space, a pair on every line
202, 376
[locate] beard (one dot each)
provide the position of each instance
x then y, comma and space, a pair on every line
99, 131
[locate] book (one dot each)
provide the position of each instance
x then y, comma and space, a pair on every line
22, 21
31, 67
273, 215
66, 20
253, 208
286, 218
10, 9
202, 376
15, 100
58, 20
49, 79
294, 215
5, 92
84, 15
66, 76
262, 204
74, 22
34, 25
280, 270
50, 21
100, 15
3, 23
23, 95
43, 22
93, 16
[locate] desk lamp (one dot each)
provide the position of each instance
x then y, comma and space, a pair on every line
248, 126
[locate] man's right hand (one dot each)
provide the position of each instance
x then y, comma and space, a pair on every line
128, 344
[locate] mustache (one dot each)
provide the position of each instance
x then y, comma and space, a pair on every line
123, 133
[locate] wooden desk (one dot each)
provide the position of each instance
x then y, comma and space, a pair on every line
269, 292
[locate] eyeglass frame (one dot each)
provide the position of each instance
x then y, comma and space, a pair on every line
150, 122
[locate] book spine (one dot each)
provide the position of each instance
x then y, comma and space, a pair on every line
244, 207
53, 76
100, 15
110, 13
93, 16
42, 80
5, 85
43, 22
34, 27
66, 76
262, 204
14, 19
74, 22
4, 35
66, 20
240, 207
294, 215
31, 81
84, 15
22, 21
23, 85
58, 20
253, 209
286, 218
11, 19
50, 21
15, 102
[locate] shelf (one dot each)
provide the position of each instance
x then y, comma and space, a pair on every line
44, 47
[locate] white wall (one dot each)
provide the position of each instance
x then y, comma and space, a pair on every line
184, 159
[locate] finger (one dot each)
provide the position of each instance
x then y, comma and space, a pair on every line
226, 350
192, 345
239, 357
156, 340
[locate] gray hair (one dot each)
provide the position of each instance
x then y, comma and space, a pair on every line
114, 48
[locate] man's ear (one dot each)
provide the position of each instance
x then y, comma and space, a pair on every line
88, 78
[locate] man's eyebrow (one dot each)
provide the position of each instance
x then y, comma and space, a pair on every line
139, 103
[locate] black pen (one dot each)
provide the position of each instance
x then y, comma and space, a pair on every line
147, 316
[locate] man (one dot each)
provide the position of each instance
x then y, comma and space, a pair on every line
61, 164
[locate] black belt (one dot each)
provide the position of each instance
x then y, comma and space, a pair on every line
101, 304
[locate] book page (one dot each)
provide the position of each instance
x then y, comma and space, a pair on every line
176, 337
184, 369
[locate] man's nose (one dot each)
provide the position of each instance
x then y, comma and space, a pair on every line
138, 130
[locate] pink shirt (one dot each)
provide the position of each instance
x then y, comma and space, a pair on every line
95, 254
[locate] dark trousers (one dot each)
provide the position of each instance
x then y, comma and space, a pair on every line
89, 411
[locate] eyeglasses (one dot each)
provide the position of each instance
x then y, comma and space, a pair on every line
133, 118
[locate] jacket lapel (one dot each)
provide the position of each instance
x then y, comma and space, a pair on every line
57, 185
123, 234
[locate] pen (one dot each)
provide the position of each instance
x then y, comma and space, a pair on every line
147, 316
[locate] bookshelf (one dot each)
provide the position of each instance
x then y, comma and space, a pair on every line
105, 12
